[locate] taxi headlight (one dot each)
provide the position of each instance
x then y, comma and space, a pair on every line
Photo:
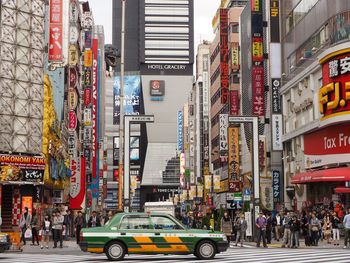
224, 238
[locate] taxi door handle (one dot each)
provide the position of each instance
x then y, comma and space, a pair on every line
157, 234
123, 234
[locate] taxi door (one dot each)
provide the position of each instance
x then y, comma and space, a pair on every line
171, 237
136, 232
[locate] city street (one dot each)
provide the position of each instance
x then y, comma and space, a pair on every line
232, 255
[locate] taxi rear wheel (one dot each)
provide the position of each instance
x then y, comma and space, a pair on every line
205, 250
115, 251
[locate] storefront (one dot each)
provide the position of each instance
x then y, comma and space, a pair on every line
21, 185
326, 150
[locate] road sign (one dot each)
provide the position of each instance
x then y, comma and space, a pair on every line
242, 119
246, 191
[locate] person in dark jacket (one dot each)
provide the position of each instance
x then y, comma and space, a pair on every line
79, 223
35, 228
268, 229
68, 222
94, 220
295, 230
335, 228
305, 228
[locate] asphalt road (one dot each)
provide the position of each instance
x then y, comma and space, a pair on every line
239, 255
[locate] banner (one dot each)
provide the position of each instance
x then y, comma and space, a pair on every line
234, 102
55, 31
77, 183
200, 191
223, 125
207, 181
216, 181
224, 56
94, 159
276, 126
233, 154
179, 132
258, 91
132, 96
234, 56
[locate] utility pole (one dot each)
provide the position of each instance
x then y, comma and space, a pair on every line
121, 116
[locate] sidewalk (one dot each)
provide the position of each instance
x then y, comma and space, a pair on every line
68, 246
321, 244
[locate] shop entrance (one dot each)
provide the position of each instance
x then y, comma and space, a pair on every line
6, 208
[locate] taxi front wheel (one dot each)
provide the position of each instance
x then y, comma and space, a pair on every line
115, 251
205, 250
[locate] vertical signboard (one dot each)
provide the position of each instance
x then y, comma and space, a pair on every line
223, 125
276, 186
234, 102
274, 21
277, 144
77, 183
94, 160
235, 56
224, 56
258, 84
233, 154
179, 132
205, 85
55, 31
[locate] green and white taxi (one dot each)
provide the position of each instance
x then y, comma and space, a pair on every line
154, 233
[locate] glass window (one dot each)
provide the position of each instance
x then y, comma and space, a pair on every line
165, 223
135, 223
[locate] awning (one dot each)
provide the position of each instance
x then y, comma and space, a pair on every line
327, 175
342, 190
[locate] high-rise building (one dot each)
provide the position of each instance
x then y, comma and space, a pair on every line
159, 68
315, 78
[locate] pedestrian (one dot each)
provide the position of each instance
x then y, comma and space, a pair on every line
35, 228
295, 230
67, 222
327, 228
79, 223
186, 220
261, 227
314, 228
108, 217
241, 226
277, 225
268, 228
58, 229
24, 224
346, 223
226, 226
286, 230
305, 228
335, 228
94, 220
46, 229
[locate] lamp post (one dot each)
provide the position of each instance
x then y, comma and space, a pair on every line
121, 115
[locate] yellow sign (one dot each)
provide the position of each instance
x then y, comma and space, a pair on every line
233, 154
258, 52
73, 55
274, 8
192, 192
256, 5
224, 186
216, 180
200, 191
207, 181
235, 56
88, 58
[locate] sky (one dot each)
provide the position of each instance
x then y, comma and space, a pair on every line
204, 11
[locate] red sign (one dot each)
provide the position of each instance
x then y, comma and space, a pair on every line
258, 49
72, 77
94, 106
87, 96
224, 56
27, 201
258, 90
78, 183
116, 175
72, 121
55, 37
234, 102
235, 186
334, 96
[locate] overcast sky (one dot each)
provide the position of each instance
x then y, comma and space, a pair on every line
204, 11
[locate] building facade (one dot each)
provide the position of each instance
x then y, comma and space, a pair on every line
315, 108
159, 64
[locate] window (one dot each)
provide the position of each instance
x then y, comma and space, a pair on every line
135, 223
165, 223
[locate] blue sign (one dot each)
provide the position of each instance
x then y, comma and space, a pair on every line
276, 186
179, 132
246, 191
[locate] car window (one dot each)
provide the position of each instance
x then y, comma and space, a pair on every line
135, 223
165, 223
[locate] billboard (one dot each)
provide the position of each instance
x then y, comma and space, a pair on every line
132, 96
223, 125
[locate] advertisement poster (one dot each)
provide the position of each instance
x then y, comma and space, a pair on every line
27, 201
132, 96
77, 183
21, 168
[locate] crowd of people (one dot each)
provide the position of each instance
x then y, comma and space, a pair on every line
57, 226
288, 227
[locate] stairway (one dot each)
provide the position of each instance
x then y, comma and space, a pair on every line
6, 209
